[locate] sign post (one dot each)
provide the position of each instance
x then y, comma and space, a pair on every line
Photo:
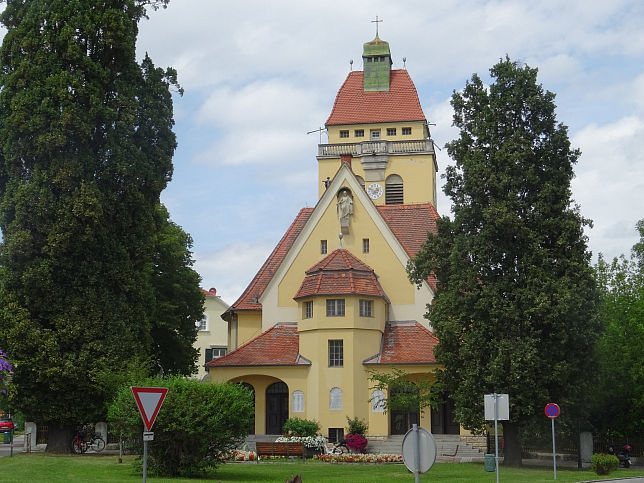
552, 411
418, 451
149, 401
497, 408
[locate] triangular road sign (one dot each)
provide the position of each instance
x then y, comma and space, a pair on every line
149, 401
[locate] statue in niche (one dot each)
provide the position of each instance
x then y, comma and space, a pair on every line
344, 210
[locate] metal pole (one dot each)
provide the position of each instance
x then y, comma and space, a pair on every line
554, 451
11, 433
145, 460
496, 437
417, 453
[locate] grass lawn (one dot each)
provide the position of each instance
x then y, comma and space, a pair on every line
105, 468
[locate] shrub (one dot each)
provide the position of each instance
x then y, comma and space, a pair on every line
356, 442
603, 463
357, 426
300, 427
196, 428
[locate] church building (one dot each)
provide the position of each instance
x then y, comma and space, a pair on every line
333, 303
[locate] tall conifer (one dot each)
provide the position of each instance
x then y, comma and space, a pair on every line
515, 306
86, 147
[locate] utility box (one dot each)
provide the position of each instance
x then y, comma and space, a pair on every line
489, 465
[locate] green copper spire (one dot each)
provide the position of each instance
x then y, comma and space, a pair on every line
376, 59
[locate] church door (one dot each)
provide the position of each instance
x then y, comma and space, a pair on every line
443, 418
276, 407
402, 420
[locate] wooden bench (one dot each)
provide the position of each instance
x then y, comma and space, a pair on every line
279, 449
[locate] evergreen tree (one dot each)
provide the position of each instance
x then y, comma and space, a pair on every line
86, 147
514, 309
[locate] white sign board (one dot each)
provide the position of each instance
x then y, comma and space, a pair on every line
502, 407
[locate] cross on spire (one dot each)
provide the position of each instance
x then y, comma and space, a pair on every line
377, 22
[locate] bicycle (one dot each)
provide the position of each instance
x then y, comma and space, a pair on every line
82, 443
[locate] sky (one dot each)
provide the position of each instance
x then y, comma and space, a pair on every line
258, 75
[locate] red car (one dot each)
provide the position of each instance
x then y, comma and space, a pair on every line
6, 425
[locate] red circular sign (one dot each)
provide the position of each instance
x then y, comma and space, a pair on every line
552, 410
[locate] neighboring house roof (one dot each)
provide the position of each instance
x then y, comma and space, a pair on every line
278, 346
355, 106
405, 343
340, 273
249, 300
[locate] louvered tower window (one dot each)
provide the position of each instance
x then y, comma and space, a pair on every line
394, 190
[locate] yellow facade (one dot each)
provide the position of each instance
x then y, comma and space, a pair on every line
316, 386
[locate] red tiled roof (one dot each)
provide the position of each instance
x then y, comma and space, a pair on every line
411, 224
249, 300
278, 346
354, 106
405, 343
340, 273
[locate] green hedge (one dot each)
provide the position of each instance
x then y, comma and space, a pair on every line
196, 426
603, 463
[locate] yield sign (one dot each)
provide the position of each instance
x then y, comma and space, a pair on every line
149, 401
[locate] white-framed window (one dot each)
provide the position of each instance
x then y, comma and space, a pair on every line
335, 398
214, 353
307, 309
335, 307
378, 401
298, 402
406, 131
391, 131
344, 133
336, 353
366, 308
359, 133
323, 247
375, 134
203, 323
365, 245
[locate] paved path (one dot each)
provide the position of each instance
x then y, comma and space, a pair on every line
18, 445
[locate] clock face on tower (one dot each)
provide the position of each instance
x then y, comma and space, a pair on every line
374, 190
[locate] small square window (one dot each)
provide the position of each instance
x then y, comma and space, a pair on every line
375, 134
359, 133
336, 353
203, 323
215, 352
366, 308
406, 131
391, 131
365, 245
335, 308
336, 435
323, 247
344, 134
307, 310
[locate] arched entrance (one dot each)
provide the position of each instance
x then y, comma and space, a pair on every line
276, 407
443, 418
402, 420
251, 422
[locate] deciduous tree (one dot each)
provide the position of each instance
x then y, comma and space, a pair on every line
515, 305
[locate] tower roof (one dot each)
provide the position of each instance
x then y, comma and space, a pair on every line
376, 47
340, 273
355, 106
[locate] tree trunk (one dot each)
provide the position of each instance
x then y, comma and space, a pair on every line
59, 438
512, 445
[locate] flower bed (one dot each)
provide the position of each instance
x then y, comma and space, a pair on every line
238, 455
360, 458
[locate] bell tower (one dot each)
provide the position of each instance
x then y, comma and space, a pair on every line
376, 59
